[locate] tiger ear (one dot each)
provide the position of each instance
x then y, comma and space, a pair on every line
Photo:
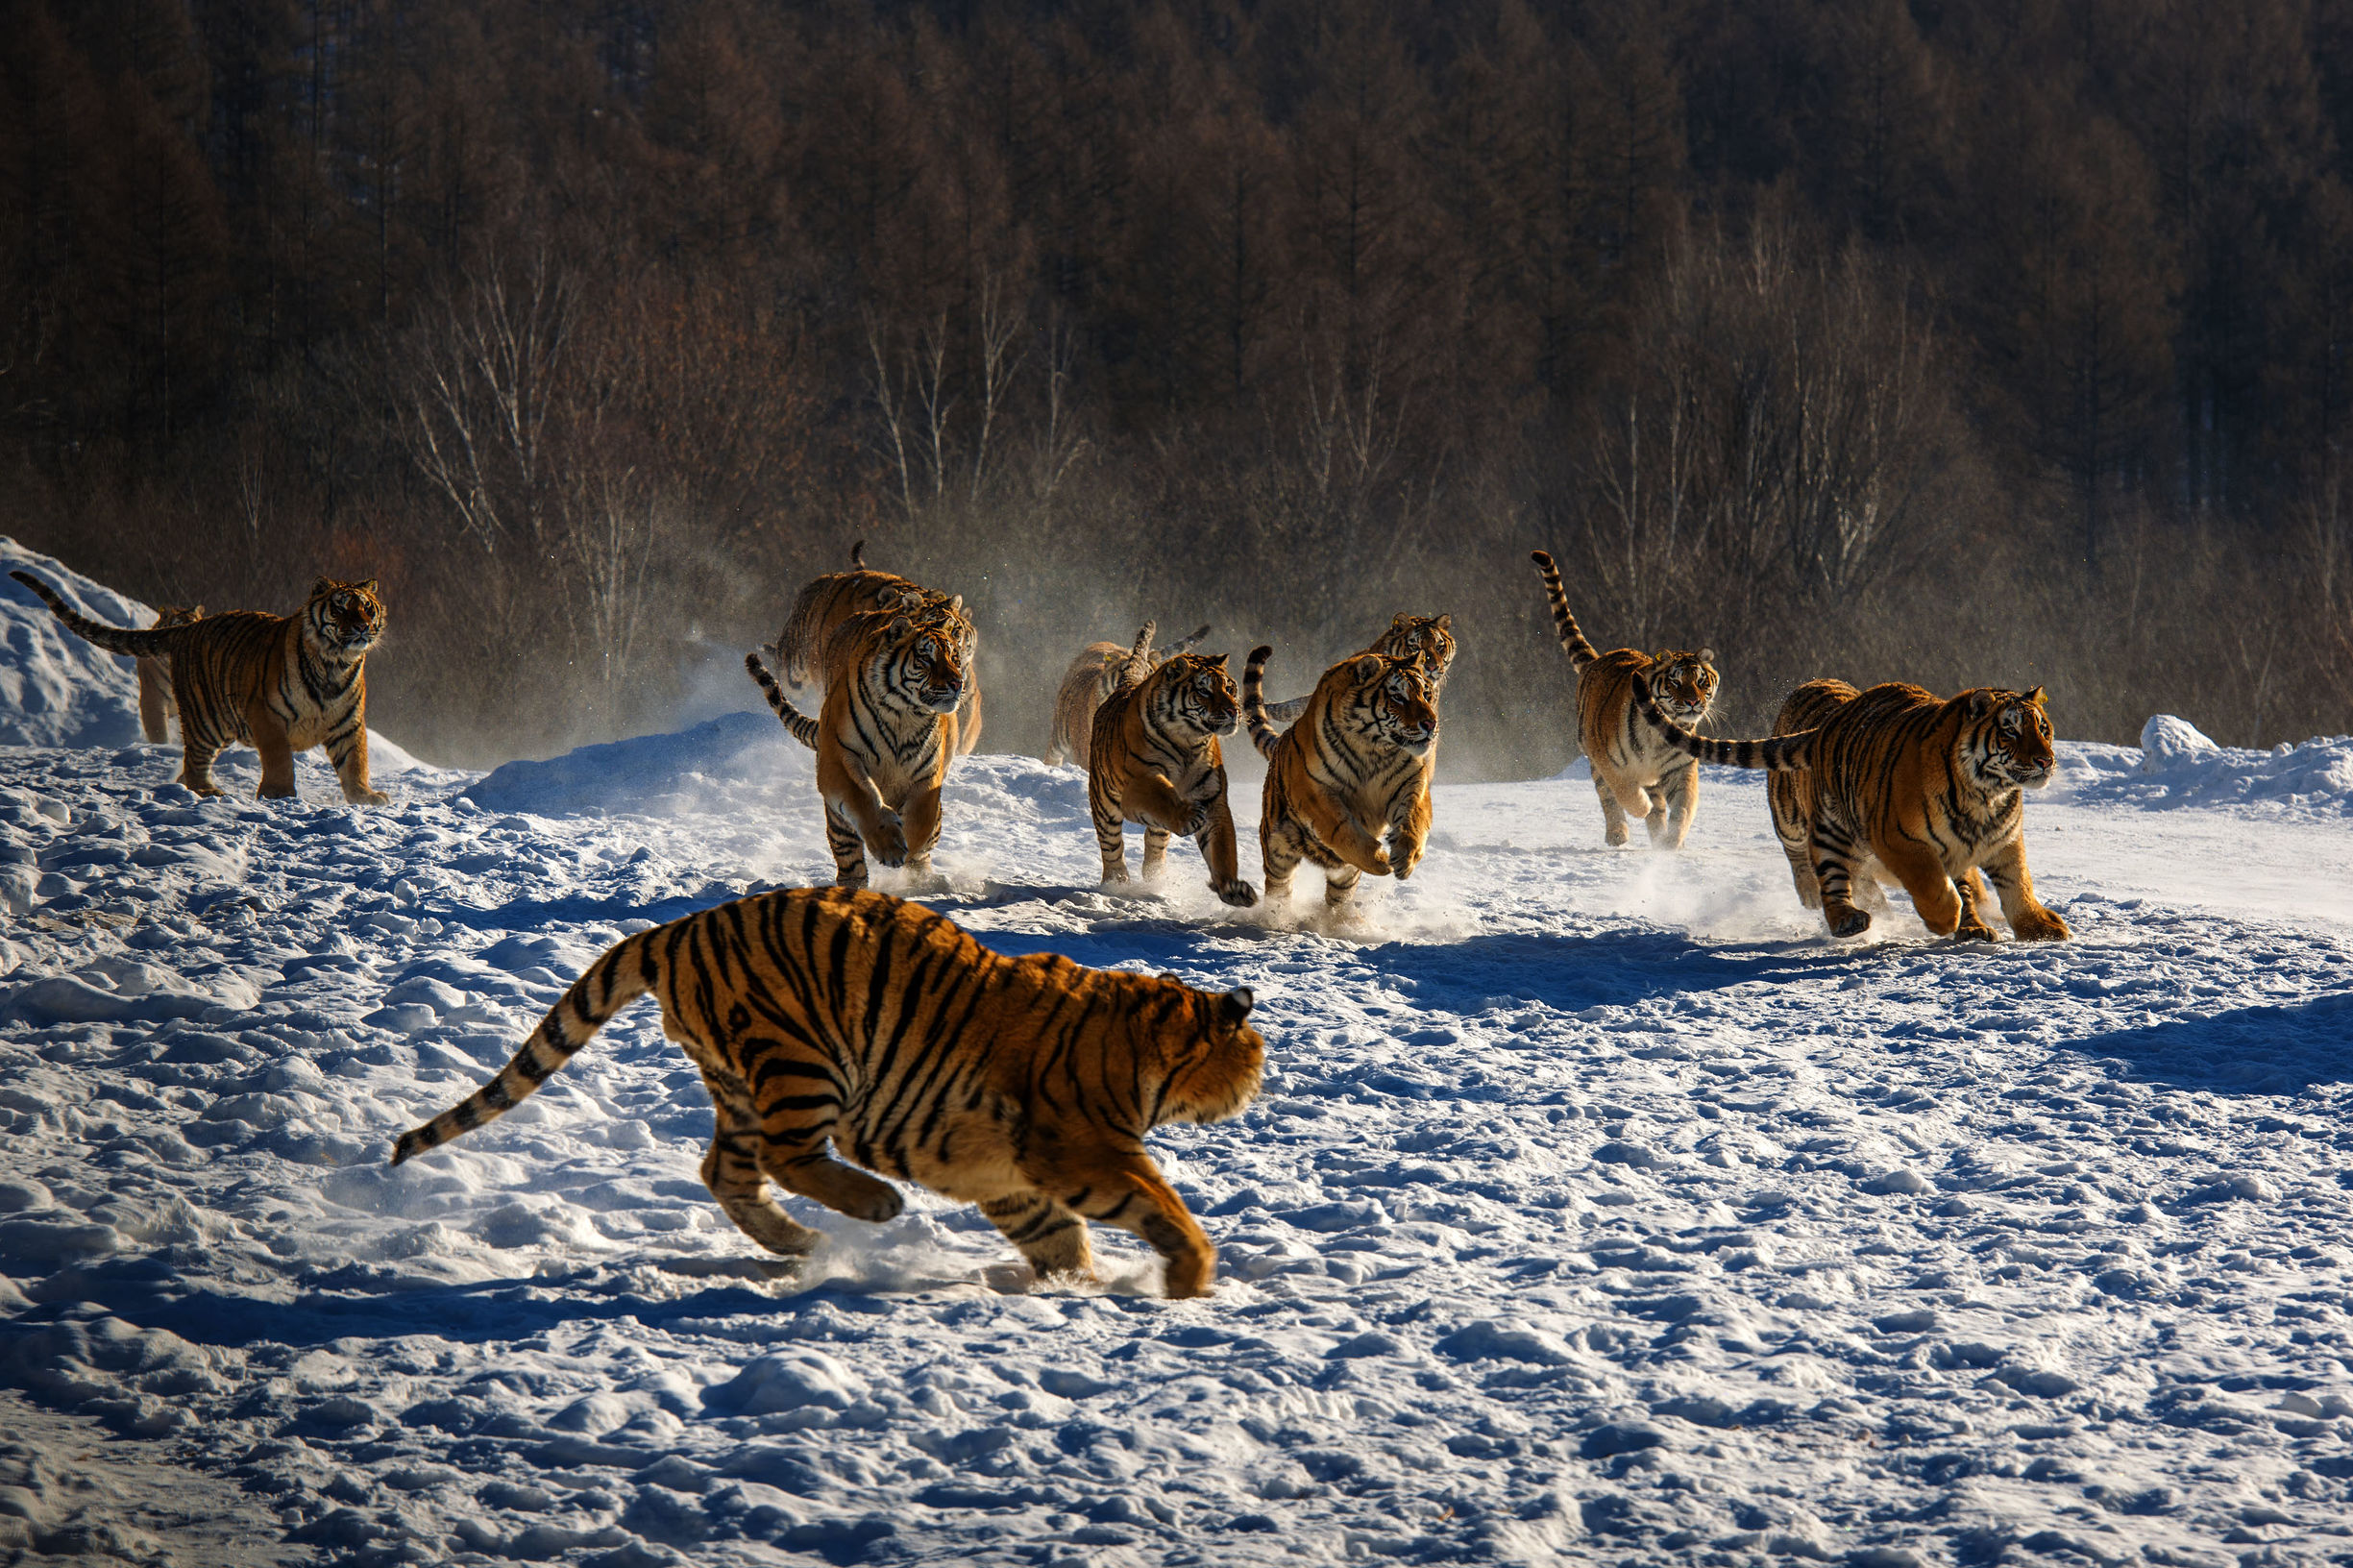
1446, 621
1234, 1007
1707, 656
196, 612
2035, 697
368, 587
956, 604
1368, 666
1978, 703
897, 626
1401, 619
1218, 662
322, 588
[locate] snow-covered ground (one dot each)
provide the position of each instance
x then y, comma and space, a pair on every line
1597, 1207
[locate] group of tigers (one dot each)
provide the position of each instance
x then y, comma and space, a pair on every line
840, 1028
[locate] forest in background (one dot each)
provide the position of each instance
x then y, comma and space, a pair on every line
1963, 343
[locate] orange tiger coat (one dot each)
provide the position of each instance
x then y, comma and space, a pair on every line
828, 605
156, 705
883, 741
278, 683
1896, 785
1638, 768
1156, 762
1093, 676
1349, 774
1022, 1084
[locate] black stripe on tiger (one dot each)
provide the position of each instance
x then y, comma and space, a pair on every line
1262, 733
1573, 641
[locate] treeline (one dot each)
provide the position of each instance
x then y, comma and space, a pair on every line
1964, 343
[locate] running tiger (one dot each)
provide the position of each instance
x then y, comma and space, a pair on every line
278, 683
1638, 769
1895, 785
1092, 678
1349, 773
803, 651
883, 740
1022, 1084
1431, 637
1157, 762
156, 705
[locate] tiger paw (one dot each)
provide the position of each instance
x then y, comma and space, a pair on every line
367, 798
1972, 931
889, 843
1240, 894
883, 1204
1115, 875
2039, 924
1195, 821
1847, 921
1379, 864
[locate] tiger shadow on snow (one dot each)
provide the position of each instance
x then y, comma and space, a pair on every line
2260, 1052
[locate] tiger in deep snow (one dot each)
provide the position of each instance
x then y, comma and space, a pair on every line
1024, 1086
1348, 774
827, 605
1431, 637
278, 683
1896, 785
883, 740
1638, 770
1093, 676
1156, 762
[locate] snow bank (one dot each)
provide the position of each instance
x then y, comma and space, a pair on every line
733, 757
2175, 765
56, 689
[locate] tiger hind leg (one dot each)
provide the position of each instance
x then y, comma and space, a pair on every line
1155, 852
796, 1124
1340, 884
1835, 866
1046, 1231
731, 1170
1613, 815
1972, 927
196, 763
1279, 856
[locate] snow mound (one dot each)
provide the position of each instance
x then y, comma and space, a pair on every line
733, 758
2176, 765
56, 689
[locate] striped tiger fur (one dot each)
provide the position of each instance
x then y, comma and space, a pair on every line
1024, 1084
1432, 636
1349, 772
1156, 762
1637, 770
803, 651
1092, 678
156, 705
278, 683
883, 741
1895, 785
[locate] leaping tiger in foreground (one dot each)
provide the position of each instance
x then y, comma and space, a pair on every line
805, 650
1093, 676
1350, 773
278, 683
1156, 762
1022, 1084
1638, 770
1895, 785
883, 740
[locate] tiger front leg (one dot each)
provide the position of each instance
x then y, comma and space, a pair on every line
1046, 1231
1109, 829
1219, 852
1155, 853
1124, 1187
347, 748
848, 848
1613, 815
1410, 833
1673, 805
1972, 889
1279, 855
920, 821
1943, 908
851, 797
1344, 836
2031, 920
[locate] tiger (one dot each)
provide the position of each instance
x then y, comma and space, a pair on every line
1895, 785
803, 651
1024, 1086
278, 683
1637, 770
1091, 678
1432, 636
156, 706
1349, 773
883, 740
1156, 762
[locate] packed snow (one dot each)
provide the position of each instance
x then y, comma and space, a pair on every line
1598, 1207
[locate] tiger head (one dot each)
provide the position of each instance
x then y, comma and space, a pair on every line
922, 663
345, 618
173, 615
1430, 636
1394, 695
1216, 1060
2005, 736
1194, 693
1684, 685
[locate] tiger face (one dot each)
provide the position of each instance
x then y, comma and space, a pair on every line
2009, 743
173, 615
345, 618
1396, 694
1431, 637
922, 664
1196, 694
1222, 1058
1684, 684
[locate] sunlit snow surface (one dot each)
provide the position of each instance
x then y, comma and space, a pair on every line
1597, 1207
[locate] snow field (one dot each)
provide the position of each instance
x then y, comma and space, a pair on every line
1596, 1209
